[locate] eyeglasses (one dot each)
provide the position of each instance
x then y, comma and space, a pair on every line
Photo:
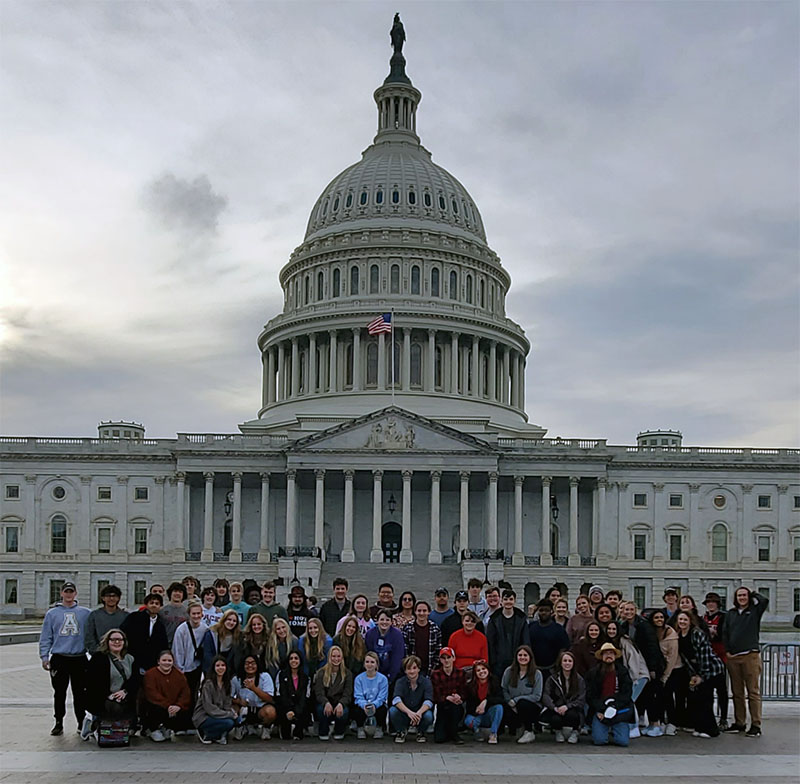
407, 599
116, 639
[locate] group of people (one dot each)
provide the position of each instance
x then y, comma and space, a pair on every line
229, 661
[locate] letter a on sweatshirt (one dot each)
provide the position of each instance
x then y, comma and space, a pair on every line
70, 626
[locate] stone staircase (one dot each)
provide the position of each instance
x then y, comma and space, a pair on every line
423, 579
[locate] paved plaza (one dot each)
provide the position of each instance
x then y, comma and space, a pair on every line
28, 754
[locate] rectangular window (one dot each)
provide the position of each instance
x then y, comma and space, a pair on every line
639, 596
139, 591
764, 591
10, 593
12, 539
640, 500
765, 502
140, 541
796, 548
103, 540
12, 492
797, 502
763, 548
639, 547
103, 493
55, 590
675, 547
141, 493
676, 500
58, 537
796, 600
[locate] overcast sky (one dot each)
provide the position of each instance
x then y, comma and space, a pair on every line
635, 163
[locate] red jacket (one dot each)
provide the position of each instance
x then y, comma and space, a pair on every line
469, 648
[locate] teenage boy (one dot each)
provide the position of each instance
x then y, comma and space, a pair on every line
670, 602
186, 647
548, 638
441, 610
476, 602
715, 621
385, 601
146, 633
423, 638
493, 602
173, 613
455, 621
613, 598
297, 611
62, 649
268, 607
192, 586
237, 603
505, 632
104, 618
211, 613
336, 608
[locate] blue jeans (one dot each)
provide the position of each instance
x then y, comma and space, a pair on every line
339, 722
214, 729
491, 718
399, 722
620, 733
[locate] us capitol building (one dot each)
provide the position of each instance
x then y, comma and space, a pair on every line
400, 452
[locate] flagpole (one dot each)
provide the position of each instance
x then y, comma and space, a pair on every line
391, 322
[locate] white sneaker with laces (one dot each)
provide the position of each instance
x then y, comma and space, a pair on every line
378, 733
157, 736
573, 737
671, 729
360, 733
86, 727
527, 737
266, 733
635, 733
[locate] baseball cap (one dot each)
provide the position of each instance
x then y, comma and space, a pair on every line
712, 596
68, 586
440, 591
447, 651
461, 595
670, 590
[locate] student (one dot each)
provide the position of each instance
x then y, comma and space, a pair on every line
268, 607
105, 618
351, 642
223, 639
281, 643
584, 650
608, 694
561, 612
613, 598
237, 603
714, 619
253, 691
389, 644
522, 693
596, 597
221, 587
423, 638
370, 695
484, 703
297, 611
254, 640
173, 613
333, 692
564, 699
670, 602
547, 638
62, 650
441, 611
359, 610
211, 613
670, 693
252, 592
493, 602
603, 614
385, 601
476, 603
469, 644
192, 586
292, 700
187, 647
215, 714
637, 669
112, 680
166, 707
146, 633
314, 646
337, 607
505, 632
412, 704
449, 697
740, 636
454, 622
576, 625
688, 604
406, 613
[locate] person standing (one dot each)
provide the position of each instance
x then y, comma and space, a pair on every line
423, 638
211, 613
740, 636
385, 601
389, 644
62, 649
173, 613
670, 598
187, 647
104, 618
237, 603
547, 637
268, 607
441, 611
576, 625
146, 633
456, 620
477, 603
505, 632
470, 645
335, 608
297, 611
714, 620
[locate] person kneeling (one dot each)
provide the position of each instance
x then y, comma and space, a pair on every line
564, 699
253, 693
484, 702
450, 696
412, 705
215, 714
167, 699
522, 692
333, 689
608, 693
292, 700
370, 693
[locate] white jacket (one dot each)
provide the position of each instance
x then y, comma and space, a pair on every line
183, 650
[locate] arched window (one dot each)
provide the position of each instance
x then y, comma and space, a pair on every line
336, 203
394, 282
426, 199
320, 285
455, 207
469, 289
337, 283
58, 534
719, 543
373, 279
483, 293
491, 297
348, 365
306, 290
296, 292
395, 196
415, 279
532, 593
348, 202
325, 207
317, 368
353, 281
416, 365
379, 197
372, 364
363, 198
453, 284
412, 197
437, 374
442, 202
435, 282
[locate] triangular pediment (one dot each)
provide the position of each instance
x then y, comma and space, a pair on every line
394, 430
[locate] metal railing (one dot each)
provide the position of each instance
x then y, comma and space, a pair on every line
780, 671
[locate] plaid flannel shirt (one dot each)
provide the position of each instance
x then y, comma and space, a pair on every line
444, 685
704, 662
434, 644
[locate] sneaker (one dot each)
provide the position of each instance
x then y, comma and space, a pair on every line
340, 736
86, 728
237, 733
753, 732
671, 729
157, 736
170, 736
733, 728
400, 737
573, 737
313, 731
266, 733
361, 733
222, 740
530, 737
378, 733
722, 726
584, 730
58, 728
421, 737
635, 733
701, 735
479, 736
324, 737
492, 738
654, 732
559, 736
202, 738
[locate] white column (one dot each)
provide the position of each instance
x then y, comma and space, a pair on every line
295, 368
504, 385
356, 359
291, 508
512, 381
454, 363
264, 379
463, 512
406, 359
271, 374
430, 370
208, 518
333, 362
31, 523
518, 557
574, 554
405, 544
546, 559
376, 554
348, 554
476, 373
82, 544
312, 364
435, 552
236, 522
319, 509
263, 540
381, 360
181, 537
602, 489
492, 391
281, 380
491, 538
521, 394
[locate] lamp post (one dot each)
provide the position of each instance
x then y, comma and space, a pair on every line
294, 561
486, 567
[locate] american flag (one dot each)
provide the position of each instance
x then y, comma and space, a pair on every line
382, 323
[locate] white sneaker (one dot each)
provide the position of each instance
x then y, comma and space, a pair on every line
266, 733
635, 733
573, 737
157, 736
86, 727
528, 737
559, 736
671, 729
223, 741
360, 733
378, 733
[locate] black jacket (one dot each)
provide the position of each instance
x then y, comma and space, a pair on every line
594, 687
502, 647
330, 614
143, 646
643, 636
290, 699
741, 631
98, 684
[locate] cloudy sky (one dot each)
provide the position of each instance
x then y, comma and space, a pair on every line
635, 163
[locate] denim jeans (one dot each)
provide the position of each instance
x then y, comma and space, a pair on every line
339, 722
399, 721
491, 718
214, 729
620, 733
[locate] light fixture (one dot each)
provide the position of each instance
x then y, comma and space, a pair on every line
392, 504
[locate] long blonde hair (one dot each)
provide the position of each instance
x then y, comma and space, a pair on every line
273, 654
329, 671
222, 632
314, 648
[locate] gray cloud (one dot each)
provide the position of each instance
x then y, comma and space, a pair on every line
186, 205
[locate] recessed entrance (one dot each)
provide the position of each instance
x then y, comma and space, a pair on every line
391, 539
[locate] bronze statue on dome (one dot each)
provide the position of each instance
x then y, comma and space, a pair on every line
398, 35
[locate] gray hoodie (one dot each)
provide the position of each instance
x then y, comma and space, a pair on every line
63, 631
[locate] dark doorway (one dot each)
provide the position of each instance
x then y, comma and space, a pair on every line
391, 538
